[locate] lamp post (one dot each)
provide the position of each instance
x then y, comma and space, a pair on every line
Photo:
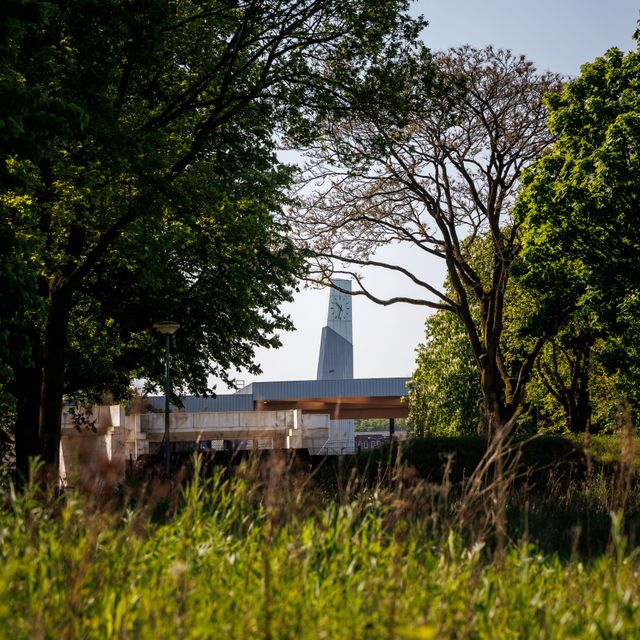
167, 328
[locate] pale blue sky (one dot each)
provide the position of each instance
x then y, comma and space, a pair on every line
558, 35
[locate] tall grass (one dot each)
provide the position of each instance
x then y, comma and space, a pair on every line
263, 553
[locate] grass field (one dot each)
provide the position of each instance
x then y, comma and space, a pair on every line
368, 548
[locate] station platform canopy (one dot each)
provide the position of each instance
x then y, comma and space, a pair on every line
348, 399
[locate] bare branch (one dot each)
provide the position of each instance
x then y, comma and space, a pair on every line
445, 182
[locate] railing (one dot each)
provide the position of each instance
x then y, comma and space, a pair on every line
334, 447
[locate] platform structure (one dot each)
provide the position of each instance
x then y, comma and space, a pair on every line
341, 400
117, 437
274, 415
317, 415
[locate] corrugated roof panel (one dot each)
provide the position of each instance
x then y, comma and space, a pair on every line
196, 404
357, 387
290, 390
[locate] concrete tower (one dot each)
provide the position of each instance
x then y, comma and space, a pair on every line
336, 345
336, 359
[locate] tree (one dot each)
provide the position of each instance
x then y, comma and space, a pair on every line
569, 389
437, 176
169, 141
579, 208
29, 119
444, 392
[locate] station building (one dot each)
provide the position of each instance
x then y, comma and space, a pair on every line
317, 415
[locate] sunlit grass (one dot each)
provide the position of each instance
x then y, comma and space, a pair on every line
257, 555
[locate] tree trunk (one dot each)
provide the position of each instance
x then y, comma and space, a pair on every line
53, 370
492, 404
27, 387
501, 421
576, 399
579, 406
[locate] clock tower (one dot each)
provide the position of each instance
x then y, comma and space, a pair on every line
336, 361
336, 346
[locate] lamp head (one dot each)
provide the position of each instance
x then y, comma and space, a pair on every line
166, 327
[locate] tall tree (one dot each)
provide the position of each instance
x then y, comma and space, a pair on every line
175, 108
439, 176
30, 119
579, 207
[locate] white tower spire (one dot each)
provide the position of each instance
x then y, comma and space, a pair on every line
336, 360
336, 346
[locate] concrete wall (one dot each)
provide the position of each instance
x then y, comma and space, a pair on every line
115, 438
96, 446
341, 437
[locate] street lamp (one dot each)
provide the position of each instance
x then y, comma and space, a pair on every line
167, 328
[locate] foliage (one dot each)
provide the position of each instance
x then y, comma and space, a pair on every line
445, 394
445, 389
158, 192
570, 388
565, 453
378, 424
579, 206
234, 560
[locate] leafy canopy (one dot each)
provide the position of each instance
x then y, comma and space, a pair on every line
156, 193
580, 206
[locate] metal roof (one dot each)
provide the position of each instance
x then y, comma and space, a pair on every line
345, 388
197, 404
292, 389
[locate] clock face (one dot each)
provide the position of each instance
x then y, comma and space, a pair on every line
340, 308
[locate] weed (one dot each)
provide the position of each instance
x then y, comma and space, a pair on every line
269, 550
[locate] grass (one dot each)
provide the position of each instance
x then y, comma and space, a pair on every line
268, 553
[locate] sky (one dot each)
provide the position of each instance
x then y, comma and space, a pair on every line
557, 35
